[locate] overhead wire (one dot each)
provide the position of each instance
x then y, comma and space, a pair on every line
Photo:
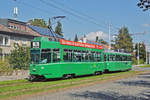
71, 13
71, 9
78, 14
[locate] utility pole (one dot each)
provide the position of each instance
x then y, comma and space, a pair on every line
109, 36
146, 53
138, 55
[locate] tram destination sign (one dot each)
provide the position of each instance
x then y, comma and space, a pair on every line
35, 44
79, 44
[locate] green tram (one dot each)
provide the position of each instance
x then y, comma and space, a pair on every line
64, 59
117, 61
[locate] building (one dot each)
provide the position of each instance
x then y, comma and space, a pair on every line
13, 31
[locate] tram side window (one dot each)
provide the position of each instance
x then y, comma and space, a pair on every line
121, 58
98, 56
105, 57
91, 56
118, 58
67, 55
46, 56
77, 56
125, 59
56, 55
114, 58
86, 56
128, 58
110, 57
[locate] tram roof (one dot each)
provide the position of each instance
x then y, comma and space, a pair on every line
113, 52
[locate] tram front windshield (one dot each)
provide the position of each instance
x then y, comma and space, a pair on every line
35, 56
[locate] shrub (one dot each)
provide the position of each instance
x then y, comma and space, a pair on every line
134, 61
4, 67
19, 58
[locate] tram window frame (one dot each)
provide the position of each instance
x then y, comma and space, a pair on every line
114, 57
56, 55
129, 58
77, 57
46, 53
91, 56
86, 56
126, 58
98, 56
105, 57
68, 56
84, 53
110, 57
118, 58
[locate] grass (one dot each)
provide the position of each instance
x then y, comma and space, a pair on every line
144, 66
13, 88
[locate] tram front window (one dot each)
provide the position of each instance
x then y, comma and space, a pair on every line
45, 56
35, 56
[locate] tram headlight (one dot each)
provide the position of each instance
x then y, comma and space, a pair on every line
42, 67
34, 69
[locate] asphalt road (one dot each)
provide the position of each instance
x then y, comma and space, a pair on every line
133, 88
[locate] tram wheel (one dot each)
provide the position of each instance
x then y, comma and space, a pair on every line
98, 73
68, 76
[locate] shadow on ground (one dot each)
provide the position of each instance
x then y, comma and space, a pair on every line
147, 75
140, 83
108, 96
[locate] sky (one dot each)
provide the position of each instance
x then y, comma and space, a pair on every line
89, 17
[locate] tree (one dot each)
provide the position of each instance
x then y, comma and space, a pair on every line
142, 51
19, 57
58, 29
96, 39
124, 41
144, 4
76, 38
39, 23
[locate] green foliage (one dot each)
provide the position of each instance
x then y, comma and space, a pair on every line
19, 58
141, 61
0, 49
39, 23
96, 39
142, 51
4, 67
124, 41
134, 61
58, 29
76, 38
144, 66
